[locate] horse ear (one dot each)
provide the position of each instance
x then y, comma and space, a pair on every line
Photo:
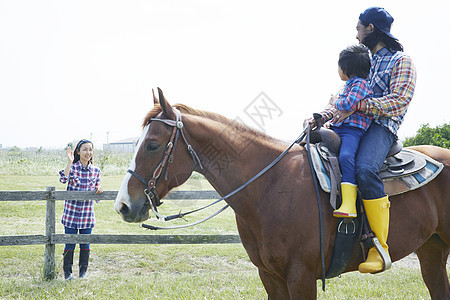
167, 109
155, 100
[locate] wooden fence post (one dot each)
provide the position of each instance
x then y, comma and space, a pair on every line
49, 257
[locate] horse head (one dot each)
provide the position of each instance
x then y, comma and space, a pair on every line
154, 170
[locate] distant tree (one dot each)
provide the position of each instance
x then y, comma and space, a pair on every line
438, 136
15, 149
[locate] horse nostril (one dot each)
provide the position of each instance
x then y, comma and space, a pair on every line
124, 210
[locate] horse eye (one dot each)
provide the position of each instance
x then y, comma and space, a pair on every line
152, 147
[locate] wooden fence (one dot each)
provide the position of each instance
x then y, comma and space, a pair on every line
50, 238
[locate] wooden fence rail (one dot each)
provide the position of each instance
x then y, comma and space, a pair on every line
50, 239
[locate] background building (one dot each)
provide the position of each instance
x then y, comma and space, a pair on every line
127, 145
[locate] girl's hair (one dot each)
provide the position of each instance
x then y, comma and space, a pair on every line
76, 155
355, 61
376, 36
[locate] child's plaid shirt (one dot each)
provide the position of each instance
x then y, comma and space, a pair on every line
354, 91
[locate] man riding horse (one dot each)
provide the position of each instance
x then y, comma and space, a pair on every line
392, 79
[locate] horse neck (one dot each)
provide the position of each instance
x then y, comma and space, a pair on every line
231, 154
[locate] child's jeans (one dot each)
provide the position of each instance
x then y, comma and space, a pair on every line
350, 138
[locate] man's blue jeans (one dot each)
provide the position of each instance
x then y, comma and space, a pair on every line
373, 148
71, 247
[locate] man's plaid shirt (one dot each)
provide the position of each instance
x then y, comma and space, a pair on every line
79, 214
392, 79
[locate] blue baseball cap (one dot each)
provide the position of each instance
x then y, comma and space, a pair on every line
379, 18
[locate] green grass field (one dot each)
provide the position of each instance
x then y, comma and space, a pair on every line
157, 271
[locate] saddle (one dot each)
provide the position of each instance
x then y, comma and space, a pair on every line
403, 170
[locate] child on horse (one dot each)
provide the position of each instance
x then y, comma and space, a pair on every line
354, 66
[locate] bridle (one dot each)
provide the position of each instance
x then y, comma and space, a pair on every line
167, 158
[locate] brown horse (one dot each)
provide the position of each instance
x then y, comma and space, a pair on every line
277, 215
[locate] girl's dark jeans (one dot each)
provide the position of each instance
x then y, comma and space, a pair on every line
71, 247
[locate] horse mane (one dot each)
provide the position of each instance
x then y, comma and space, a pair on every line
211, 116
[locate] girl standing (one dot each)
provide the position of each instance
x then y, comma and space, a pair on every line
78, 217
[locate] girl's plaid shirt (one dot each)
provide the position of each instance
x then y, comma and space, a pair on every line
80, 214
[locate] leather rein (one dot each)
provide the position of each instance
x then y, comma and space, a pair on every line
167, 158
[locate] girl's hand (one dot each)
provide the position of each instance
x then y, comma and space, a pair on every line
309, 121
99, 190
332, 100
70, 156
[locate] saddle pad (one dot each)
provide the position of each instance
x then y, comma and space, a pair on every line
399, 185
393, 185
321, 172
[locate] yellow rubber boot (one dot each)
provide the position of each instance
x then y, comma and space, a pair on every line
377, 211
348, 206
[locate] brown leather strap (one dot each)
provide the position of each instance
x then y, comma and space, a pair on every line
335, 177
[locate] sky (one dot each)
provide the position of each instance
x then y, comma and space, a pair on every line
86, 69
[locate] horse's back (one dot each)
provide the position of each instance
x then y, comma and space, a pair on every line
433, 254
417, 215
440, 154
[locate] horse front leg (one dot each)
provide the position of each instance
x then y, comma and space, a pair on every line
302, 283
433, 260
299, 285
275, 287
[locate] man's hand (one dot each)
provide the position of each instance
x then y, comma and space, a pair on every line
340, 116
